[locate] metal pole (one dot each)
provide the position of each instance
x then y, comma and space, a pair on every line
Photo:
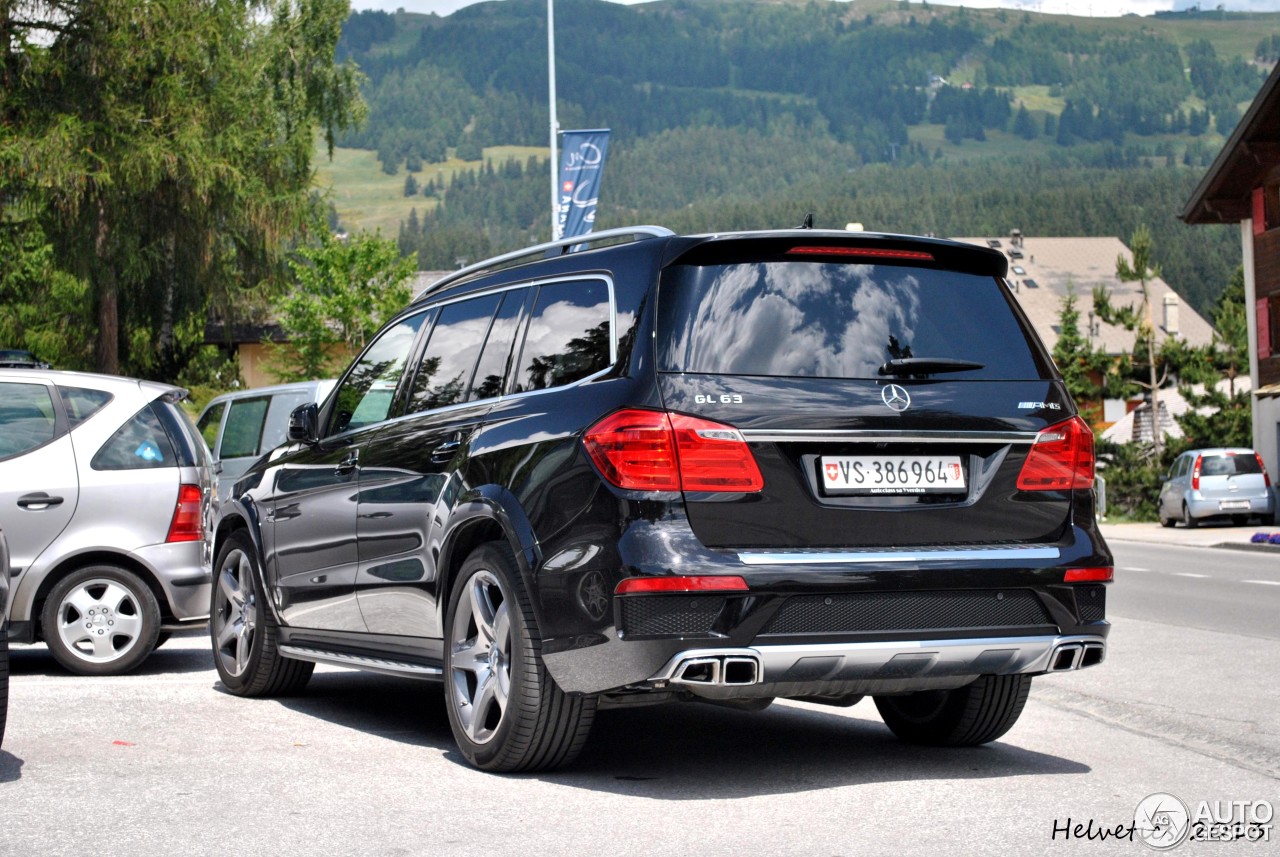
555, 125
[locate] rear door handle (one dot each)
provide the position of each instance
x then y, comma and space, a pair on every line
38, 502
349, 463
445, 450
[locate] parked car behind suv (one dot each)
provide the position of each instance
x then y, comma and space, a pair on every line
1220, 483
4, 636
245, 424
637, 467
105, 493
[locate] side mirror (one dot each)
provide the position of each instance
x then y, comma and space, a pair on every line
303, 423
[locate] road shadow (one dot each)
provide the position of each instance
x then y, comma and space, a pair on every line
690, 751
10, 767
190, 653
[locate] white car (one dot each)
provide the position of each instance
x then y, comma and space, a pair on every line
105, 498
1225, 482
241, 427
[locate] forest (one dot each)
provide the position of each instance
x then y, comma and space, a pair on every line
752, 114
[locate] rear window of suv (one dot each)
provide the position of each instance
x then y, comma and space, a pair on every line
836, 320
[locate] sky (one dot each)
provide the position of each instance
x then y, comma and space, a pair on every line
1095, 8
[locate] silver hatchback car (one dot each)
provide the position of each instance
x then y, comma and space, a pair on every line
1225, 482
105, 499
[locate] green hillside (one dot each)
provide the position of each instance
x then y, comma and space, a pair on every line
725, 110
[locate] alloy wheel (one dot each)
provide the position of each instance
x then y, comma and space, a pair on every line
235, 614
480, 656
99, 620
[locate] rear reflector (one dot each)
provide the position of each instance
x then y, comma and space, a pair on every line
657, 451
1090, 575
633, 585
1060, 459
862, 252
188, 522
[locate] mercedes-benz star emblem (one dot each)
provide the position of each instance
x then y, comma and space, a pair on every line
896, 398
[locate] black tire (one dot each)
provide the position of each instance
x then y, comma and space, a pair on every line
506, 712
977, 713
100, 620
244, 631
4, 682
1187, 521
164, 637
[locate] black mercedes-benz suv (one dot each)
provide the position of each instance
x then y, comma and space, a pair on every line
638, 466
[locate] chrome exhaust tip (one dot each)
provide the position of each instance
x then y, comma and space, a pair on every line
718, 671
1066, 657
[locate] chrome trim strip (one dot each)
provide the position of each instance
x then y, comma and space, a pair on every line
359, 662
871, 436
996, 655
902, 555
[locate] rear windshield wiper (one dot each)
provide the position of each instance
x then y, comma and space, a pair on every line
927, 366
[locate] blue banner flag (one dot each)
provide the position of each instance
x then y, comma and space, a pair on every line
580, 169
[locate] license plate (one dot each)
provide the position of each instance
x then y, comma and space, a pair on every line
891, 474
1233, 504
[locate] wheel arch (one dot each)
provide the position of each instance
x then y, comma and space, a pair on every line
34, 606
489, 514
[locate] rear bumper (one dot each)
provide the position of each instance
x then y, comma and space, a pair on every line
871, 668
1205, 507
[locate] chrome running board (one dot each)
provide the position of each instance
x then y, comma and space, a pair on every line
362, 662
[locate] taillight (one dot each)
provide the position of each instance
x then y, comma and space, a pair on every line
657, 451
1099, 574
1060, 459
1263, 468
1195, 474
705, 583
188, 522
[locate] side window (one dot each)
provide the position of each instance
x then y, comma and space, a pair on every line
365, 395
209, 422
496, 356
243, 431
27, 418
139, 444
444, 373
81, 403
568, 337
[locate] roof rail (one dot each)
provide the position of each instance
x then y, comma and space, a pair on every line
548, 251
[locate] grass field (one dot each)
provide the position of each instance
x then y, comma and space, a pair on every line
370, 200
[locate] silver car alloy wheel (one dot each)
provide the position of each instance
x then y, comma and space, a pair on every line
235, 613
99, 621
480, 656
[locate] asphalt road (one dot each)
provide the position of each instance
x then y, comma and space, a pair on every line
163, 762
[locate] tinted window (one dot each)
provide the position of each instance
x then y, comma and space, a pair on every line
365, 394
1229, 465
496, 356
139, 444
243, 432
81, 403
568, 336
209, 422
444, 373
811, 319
187, 443
27, 418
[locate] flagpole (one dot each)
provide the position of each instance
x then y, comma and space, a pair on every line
555, 125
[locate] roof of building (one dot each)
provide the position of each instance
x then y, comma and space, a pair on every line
1252, 150
1136, 425
1041, 270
